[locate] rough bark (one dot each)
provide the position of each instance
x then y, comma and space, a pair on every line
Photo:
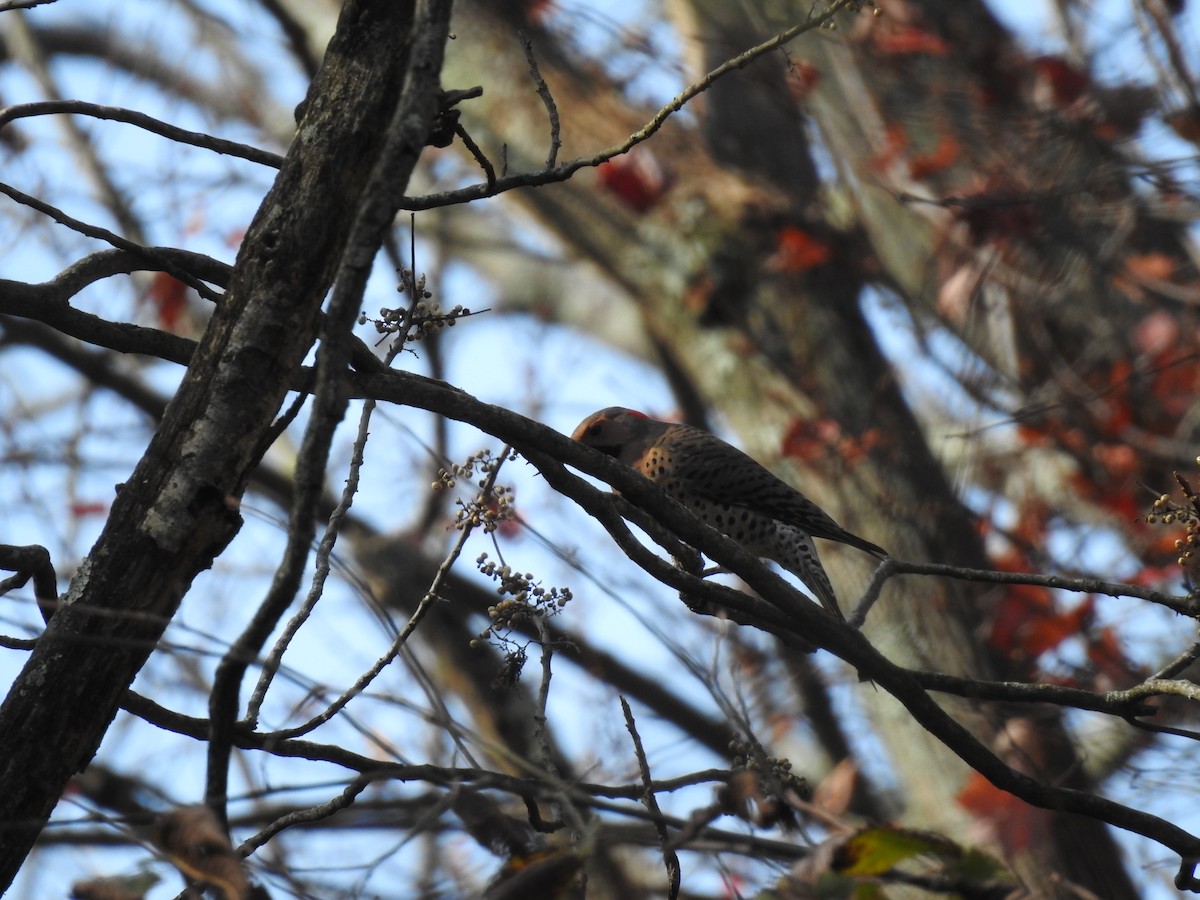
179, 507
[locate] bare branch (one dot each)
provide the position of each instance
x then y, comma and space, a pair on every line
22, 4
109, 237
670, 857
551, 175
143, 121
1185, 606
536, 443
548, 101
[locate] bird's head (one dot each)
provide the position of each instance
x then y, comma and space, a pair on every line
621, 433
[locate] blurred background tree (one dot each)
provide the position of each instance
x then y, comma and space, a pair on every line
932, 265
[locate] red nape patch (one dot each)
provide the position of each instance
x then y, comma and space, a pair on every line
640, 415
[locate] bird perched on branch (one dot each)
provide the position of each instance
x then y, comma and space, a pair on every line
728, 490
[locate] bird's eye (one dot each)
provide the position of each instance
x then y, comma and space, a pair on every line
594, 430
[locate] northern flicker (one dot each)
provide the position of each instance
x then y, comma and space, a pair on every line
725, 488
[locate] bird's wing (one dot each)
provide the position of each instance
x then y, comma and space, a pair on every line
724, 474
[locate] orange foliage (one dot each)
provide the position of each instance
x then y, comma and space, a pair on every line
1185, 123
169, 296
1048, 631
1057, 82
1033, 436
1159, 266
808, 440
636, 179
802, 79
796, 250
904, 40
854, 449
1120, 461
1027, 621
1140, 268
1013, 823
942, 157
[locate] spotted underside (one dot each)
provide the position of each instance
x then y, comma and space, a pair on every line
704, 493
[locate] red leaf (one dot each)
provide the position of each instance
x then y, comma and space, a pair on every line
807, 440
1057, 82
80, 509
1120, 461
1018, 606
1013, 823
796, 250
902, 40
802, 79
1105, 654
169, 296
636, 179
1156, 266
1185, 123
1047, 632
942, 157
1026, 620
1141, 269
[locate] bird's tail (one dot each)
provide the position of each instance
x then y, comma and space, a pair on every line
812, 573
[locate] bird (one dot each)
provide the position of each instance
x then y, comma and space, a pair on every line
727, 489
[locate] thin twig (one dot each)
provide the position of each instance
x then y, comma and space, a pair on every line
1185, 606
305, 816
109, 237
22, 4
566, 170
431, 596
1177, 665
547, 101
670, 857
540, 733
489, 171
321, 573
143, 121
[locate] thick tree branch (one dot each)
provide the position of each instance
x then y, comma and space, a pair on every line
406, 133
545, 448
178, 509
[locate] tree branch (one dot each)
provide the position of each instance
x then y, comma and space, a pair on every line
545, 448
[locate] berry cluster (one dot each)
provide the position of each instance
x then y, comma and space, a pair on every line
524, 598
759, 786
1169, 512
421, 318
747, 755
492, 505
